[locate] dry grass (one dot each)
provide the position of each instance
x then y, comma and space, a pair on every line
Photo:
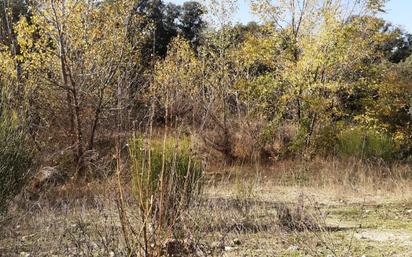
291, 209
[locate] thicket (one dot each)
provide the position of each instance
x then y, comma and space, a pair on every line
309, 79
80, 79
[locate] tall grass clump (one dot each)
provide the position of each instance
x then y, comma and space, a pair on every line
16, 158
166, 177
366, 144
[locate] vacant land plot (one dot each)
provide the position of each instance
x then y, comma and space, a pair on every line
249, 216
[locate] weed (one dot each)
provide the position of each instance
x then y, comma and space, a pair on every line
16, 158
366, 144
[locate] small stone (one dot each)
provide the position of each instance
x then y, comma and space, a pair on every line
94, 245
409, 211
24, 254
293, 248
229, 248
111, 254
215, 245
236, 241
200, 253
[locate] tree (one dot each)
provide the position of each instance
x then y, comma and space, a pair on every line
167, 21
317, 50
73, 56
153, 13
390, 110
400, 48
191, 23
11, 11
219, 96
176, 83
201, 88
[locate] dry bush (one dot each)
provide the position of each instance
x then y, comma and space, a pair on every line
69, 220
239, 142
84, 220
277, 140
247, 143
310, 230
296, 218
349, 174
239, 210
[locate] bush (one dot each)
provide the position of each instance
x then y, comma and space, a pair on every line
166, 176
326, 140
366, 144
16, 159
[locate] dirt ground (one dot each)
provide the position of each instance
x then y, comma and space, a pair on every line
236, 217
354, 223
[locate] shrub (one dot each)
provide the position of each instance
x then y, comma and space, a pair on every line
326, 140
16, 159
180, 166
166, 176
366, 144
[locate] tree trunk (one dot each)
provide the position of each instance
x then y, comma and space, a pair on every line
79, 137
95, 121
72, 99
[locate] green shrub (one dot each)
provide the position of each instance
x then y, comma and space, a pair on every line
366, 144
326, 139
165, 176
16, 159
